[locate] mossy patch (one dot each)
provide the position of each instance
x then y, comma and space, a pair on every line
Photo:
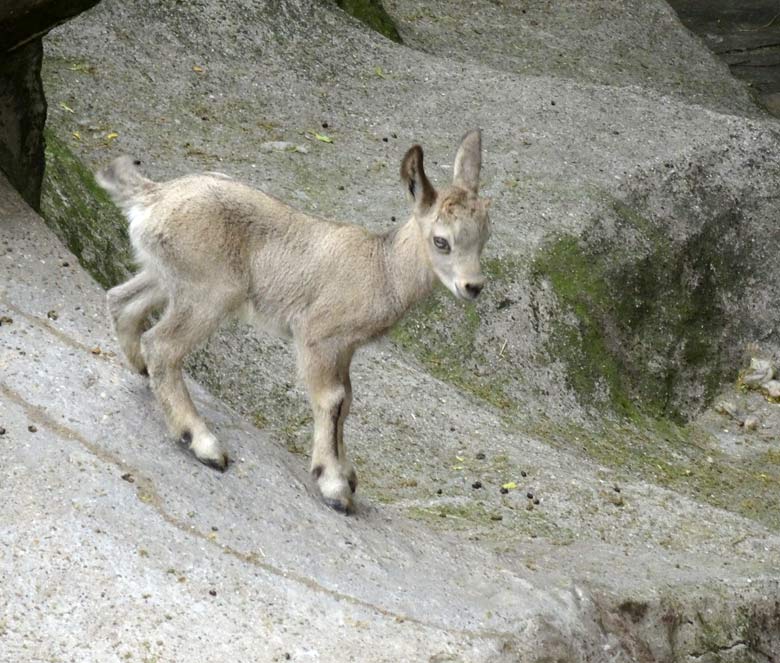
752, 628
643, 325
582, 290
744, 632
441, 334
373, 14
82, 215
682, 458
280, 410
504, 522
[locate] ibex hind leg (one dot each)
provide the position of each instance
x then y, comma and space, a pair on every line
182, 327
130, 305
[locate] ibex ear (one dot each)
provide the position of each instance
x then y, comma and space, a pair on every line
468, 162
413, 177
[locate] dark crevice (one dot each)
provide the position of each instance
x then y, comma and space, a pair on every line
748, 30
373, 14
749, 49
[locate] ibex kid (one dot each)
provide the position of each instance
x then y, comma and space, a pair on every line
210, 247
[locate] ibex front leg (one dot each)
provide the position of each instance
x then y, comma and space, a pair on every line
330, 393
349, 469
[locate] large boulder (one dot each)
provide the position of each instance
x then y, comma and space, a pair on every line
22, 116
22, 102
22, 21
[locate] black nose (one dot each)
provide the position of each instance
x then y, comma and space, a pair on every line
473, 289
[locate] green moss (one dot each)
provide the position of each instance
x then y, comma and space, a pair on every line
682, 458
645, 324
441, 334
83, 216
373, 14
581, 287
504, 523
752, 626
758, 628
500, 271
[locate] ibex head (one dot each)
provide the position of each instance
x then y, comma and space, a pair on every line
453, 221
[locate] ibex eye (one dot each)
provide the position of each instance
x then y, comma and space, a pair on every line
442, 244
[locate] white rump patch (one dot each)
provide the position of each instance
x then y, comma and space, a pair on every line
137, 215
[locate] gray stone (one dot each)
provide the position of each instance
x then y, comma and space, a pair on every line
727, 408
282, 146
759, 372
772, 388
751, 423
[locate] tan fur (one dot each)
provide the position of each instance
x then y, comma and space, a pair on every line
210, 247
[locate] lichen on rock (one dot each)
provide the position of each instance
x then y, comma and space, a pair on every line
657, 302
83, 216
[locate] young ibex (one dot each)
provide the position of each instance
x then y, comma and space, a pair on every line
210, 247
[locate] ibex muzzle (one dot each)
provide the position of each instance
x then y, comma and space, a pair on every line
210, 247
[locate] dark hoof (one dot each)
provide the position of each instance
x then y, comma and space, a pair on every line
339, 505
352, 481
144, 371
185, 442
218, 464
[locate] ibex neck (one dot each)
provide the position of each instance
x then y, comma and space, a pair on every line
409, 271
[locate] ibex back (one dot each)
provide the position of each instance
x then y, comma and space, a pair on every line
209, 247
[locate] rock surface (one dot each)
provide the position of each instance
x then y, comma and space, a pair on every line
22, 102
746, 35
22, 116
116, 545
628, 154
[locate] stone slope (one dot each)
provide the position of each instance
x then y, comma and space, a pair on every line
136, 550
